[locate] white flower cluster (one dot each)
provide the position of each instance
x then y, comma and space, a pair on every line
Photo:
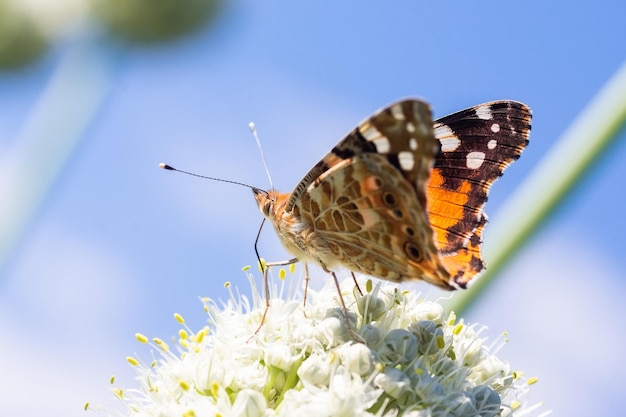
402, 356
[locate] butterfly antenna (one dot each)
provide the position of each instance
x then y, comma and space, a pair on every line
252, 127
171, 168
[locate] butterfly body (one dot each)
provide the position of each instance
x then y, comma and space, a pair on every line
400, 197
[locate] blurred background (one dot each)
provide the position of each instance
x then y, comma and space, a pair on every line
97, 243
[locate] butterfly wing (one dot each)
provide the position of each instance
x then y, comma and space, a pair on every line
477, 144
366, 199
402, 129
376, 225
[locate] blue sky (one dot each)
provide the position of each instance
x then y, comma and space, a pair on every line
117, 245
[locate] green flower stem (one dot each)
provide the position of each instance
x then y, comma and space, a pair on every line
48, 139
551, 181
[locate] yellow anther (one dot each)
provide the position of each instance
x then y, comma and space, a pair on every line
452, 318
456, 330
160, 343
440, 342
200, 335
215, 388
132, 360
141, 338
179, 318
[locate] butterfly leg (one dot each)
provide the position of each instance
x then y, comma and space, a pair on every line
356, 284
266, 286
353, 334
306, 282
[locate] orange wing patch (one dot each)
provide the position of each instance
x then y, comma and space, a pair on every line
467, 263
446, 207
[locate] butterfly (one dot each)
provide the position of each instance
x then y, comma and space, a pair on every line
401, 197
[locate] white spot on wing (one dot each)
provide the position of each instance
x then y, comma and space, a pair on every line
492, 144
382, 145
413, 144
449, 141
370, 133
407, 162
495, 128
484, 112
450, 144
396, 111
410, 127
373, 135
475, 160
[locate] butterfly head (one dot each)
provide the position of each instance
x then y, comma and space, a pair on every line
264, 200
272, 204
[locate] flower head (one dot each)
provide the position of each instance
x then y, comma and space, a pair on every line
402, 356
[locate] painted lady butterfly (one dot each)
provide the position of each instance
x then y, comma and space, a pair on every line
401, 198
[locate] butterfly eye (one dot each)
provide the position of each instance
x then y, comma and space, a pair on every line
412, 251
266, 207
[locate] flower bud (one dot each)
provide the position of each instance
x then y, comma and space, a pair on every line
357, 358
487, 401
395, 383
400, 347
315, 371
427, 333
249, 403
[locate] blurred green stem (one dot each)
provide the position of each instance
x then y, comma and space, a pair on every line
550, 182
63, 111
